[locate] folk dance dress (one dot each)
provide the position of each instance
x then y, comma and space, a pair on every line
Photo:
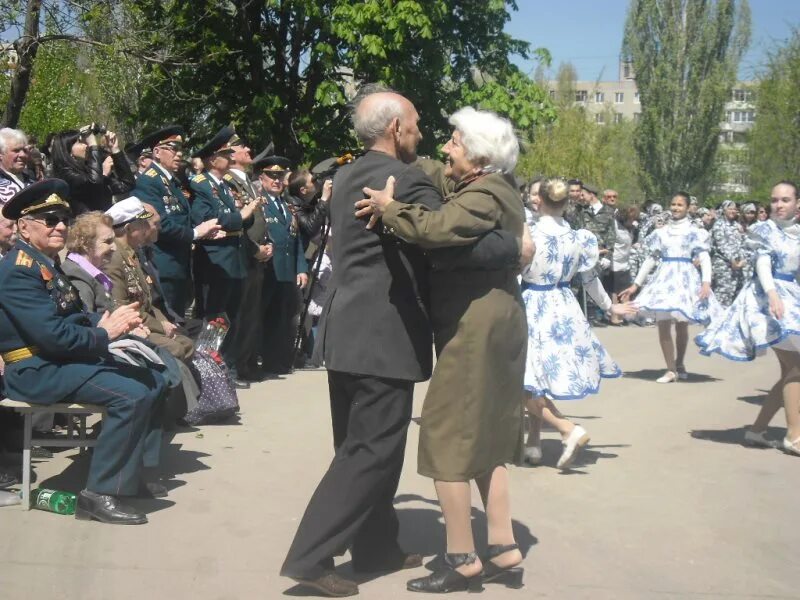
565, 359
673, 291
746, 329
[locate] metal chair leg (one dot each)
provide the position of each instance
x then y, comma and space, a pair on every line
26, 462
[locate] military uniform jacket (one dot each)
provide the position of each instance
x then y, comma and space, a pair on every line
39, 307
173, 250
132, 284
601, 225
255, 228
288, 258
212, 200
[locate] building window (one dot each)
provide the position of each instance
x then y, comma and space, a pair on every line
619, 97
741, 116
581, 96
600, 119
637, 117
626, 70
617, 117
636, 97
743, 95
599, 97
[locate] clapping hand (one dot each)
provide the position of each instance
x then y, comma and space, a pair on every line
374, 205
121, 321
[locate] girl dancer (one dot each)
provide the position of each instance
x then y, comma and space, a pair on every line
565, 360
767, 314
676, 294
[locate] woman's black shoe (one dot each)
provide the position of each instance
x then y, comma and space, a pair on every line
447, 579
511, 577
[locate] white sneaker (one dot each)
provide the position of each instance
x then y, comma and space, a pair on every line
533, 454
668, 377
576, 440
791, 447
758, 439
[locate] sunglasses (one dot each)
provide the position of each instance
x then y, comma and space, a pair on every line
52, 220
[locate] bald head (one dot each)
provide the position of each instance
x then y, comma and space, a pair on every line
387, 121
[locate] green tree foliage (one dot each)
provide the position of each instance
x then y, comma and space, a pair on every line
685, 54
284, 70
575, 146
775, 138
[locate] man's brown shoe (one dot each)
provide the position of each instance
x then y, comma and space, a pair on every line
331, 584
402, 562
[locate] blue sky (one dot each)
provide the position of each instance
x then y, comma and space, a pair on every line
588, 33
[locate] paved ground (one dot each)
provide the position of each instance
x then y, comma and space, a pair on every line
665, 504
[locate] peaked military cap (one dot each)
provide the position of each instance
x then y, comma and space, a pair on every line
172, 134
277, 165
47, 195
137, 150
590, 188
221, 142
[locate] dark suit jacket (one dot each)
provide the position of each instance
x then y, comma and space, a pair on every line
375, 321
288, 258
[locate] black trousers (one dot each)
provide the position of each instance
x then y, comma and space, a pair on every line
249, 330
280, 301
223, 296
352, 507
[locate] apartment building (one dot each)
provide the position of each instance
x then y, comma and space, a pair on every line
613, 101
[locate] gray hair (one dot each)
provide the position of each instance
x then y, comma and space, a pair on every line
488, 139
371, 125
8, 136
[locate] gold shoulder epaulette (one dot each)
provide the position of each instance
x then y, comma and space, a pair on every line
227, 177
199, 178
151, 172
24, 260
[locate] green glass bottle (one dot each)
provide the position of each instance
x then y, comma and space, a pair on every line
55, 501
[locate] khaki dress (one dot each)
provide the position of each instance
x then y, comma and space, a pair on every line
473, 412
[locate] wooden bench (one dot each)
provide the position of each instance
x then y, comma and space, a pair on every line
82, 411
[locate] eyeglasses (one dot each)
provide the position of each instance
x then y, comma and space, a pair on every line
51, 220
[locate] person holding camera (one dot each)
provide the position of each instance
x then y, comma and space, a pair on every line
92, 163
308, 201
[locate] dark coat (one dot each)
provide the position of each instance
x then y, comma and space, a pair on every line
39, 307
173, 250
89, 189
94, 296
375, 321
218, 259
288, 258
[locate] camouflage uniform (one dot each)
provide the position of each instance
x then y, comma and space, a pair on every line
727, 242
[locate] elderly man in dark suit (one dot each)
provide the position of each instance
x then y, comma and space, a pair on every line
376, 341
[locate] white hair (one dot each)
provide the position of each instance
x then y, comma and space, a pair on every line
371, 125
10, 136
487, 138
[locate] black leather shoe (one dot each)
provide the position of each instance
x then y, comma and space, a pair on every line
106, 509
152, 489
402, 562
240, 384
330, 584
447, 579
7, 480
511, 577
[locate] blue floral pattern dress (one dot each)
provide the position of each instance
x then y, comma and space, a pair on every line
673, 291
746, 329
565, 359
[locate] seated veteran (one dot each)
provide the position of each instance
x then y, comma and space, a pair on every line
131, 284
90, 246
55, 351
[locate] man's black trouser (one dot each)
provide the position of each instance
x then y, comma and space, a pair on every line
352, 506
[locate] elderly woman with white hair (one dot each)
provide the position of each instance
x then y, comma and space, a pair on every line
472, 419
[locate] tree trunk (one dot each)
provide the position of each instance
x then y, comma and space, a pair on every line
26, 48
